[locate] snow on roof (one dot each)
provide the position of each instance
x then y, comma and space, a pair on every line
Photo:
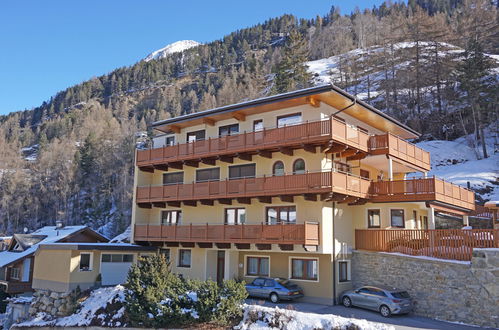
96, 246
53, 235
124, 237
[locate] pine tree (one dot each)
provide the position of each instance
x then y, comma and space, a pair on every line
292, 71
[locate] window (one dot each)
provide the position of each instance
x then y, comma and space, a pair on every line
373, 219
364, 174
304, 269
343, 271
415, 217
342, 167
165, 253
169, 218
228, 130
14, 273
278, 168
397, 218
196, 136
117, 258
278, 214
257, 266
242, 171
299, 166
173, 178
289, 120
235, 216
209, 174
184, 258
258, 125
169, 140
85, 262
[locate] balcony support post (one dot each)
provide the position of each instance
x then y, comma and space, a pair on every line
390, 169
431, 218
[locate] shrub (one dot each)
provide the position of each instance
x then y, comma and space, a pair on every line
155, 297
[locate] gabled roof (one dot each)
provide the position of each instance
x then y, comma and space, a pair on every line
333, 95
50, 234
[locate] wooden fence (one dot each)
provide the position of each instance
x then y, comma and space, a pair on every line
456, 244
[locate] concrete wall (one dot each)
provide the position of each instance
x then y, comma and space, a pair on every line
452, 291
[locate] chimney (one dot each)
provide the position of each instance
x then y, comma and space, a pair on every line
59, 224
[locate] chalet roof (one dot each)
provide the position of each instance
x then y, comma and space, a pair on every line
50, 234
96, 246
283, 97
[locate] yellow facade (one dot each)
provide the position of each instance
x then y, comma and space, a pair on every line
337, 221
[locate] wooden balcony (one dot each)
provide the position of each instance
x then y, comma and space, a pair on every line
306, 135
421, 190
15, 287
456, 244
286, 234
389, 144
266, 186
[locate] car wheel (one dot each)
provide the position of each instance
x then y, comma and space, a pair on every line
347, 302
385, 311
274, 297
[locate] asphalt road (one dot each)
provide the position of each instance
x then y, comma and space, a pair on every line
398, 321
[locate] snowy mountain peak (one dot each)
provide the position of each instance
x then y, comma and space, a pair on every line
175, 47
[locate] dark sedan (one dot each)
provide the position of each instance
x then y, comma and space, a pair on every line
274, 288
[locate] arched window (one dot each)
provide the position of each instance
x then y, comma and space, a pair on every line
299, 166
278, 168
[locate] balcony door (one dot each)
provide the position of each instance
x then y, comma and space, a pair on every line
196, 136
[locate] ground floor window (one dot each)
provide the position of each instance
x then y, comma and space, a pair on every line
14, 273
304, 269
85, 262
343, 271
166, 254
257, 266
397, 218
112, 257
184, 258
373, 219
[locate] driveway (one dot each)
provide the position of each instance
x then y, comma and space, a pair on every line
398, 321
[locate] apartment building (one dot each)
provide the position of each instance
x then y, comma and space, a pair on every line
278, 187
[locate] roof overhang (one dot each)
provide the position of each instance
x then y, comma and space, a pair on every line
96, 247
329, 94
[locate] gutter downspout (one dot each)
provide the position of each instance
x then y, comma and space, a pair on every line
334, 258
354, 102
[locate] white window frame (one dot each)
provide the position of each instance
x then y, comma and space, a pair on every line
90, 263
254, 256
349, 271
18, 275
290, 268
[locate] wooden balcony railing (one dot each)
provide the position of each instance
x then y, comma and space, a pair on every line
288, 136
427, 189
395, 146
454, 244
14, 287
306, 234
296, 184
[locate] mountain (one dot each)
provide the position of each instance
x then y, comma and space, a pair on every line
176, 47
71, 158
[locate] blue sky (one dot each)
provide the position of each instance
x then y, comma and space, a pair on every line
46, 46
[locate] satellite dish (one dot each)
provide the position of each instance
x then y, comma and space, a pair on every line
25, 230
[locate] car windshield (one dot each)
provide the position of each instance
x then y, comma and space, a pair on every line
401, 295
285, 283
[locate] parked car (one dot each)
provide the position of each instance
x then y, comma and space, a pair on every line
274, 288
387, 301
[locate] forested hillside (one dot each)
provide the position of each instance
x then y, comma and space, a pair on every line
429, 63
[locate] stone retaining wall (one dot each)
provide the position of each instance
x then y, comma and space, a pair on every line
53, 303
451, 291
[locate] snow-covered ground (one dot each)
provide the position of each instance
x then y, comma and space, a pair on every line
456, 161
259, 318
103, 307
175, 47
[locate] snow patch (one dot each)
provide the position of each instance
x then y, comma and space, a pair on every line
176, 47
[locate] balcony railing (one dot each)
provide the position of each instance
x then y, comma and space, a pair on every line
427, 189
395, 146
454, 244
296, 184
14, 287
306, 234
288, 136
